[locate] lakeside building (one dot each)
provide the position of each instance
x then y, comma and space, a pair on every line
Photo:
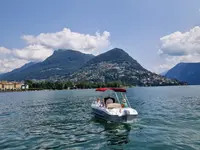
4, 85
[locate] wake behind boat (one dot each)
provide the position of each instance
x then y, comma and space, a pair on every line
113, 106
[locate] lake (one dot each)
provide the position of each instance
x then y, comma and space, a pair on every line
169, 118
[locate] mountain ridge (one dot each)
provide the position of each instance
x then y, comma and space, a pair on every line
185, 72
117, 65
61, 62
163, 73
114, 55
71, 65
17, 70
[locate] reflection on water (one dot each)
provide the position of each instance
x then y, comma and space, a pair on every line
116, 134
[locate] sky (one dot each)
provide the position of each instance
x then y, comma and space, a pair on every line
158, 34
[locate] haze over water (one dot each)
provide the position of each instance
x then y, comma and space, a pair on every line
169, 118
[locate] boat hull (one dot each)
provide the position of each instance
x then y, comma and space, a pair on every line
113, 118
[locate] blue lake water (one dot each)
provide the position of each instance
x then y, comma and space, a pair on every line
169, 119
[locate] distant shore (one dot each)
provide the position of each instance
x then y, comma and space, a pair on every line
41, 89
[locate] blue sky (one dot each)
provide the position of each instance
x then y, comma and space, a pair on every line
134, 25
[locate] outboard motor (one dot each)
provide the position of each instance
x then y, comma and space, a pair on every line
126, 112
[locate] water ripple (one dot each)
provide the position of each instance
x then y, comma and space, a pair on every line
168, 119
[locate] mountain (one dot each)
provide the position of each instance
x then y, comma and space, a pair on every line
188, 72
117, 65
163, 73
71, 65
62, 62
15, 71
23, 67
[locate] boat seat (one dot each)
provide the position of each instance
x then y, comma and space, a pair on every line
113, 105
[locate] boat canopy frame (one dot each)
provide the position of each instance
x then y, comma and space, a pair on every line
117, 92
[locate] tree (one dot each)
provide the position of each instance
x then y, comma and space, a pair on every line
29, 83
59, 85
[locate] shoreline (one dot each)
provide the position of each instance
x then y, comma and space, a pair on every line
6, 91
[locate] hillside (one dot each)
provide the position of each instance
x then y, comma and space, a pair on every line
117, 65
188, 72
62, 62
13, 72
163, 73
71, 65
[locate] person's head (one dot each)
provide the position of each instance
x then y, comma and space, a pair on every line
98, 99
124, 100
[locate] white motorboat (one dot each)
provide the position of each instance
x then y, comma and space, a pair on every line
113, 105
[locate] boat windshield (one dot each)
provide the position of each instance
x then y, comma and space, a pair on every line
121, 96
118, 96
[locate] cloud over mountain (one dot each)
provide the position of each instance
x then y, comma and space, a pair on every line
42, 46
66, 39
180, 47
33, 53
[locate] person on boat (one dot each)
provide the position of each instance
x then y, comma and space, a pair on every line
109, 101
124, 103
98, 101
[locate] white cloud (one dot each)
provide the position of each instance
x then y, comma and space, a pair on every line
174, 60
33, 53
10, 64
42, 46
12, 59
179, 47
180, 44
66, 39
4, 52
8, 61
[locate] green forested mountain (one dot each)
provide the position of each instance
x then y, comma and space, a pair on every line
69, 65
117, 65
62, 62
